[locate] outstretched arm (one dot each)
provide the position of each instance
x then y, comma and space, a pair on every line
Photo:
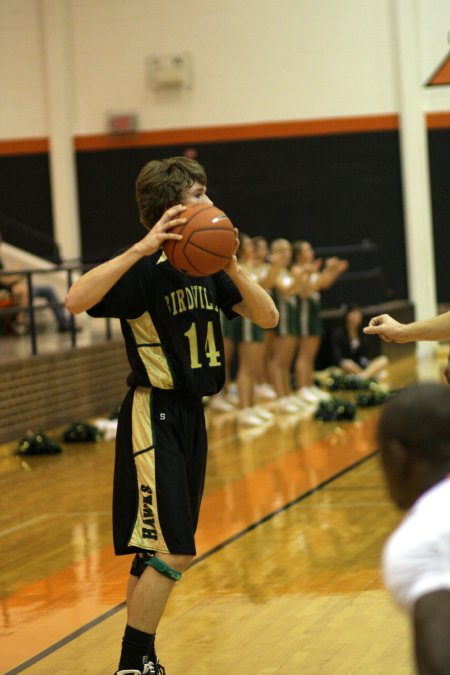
89, 289
330, 273
390, 330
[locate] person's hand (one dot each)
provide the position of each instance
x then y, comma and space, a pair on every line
387, 328
447, 370
232, 266
342, 266
160, 232
299, 271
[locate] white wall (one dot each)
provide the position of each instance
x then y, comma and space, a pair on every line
433, 17
256, 60
23, 111
253, 61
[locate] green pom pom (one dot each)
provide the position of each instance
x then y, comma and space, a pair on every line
349, 382
37, 444
375, 396
335, 409
80, 432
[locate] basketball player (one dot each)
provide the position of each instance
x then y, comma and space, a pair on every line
171, 326
414, 438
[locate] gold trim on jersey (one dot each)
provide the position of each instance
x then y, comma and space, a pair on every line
147, 532
150, 351
161, 258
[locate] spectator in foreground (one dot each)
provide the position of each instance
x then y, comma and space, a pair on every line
414, 440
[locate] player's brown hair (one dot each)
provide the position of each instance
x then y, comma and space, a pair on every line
161, 184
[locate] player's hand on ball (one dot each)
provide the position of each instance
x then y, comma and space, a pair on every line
232, 266
386, 327
161, 231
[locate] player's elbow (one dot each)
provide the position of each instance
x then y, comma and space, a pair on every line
72, 304
270, 320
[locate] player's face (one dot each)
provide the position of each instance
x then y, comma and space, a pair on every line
261, 251
196, 194
307, 253
285, 253
354, 318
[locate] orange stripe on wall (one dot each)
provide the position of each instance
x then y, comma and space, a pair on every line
438, 120
238, 132
24, 146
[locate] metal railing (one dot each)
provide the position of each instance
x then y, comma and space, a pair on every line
30, 310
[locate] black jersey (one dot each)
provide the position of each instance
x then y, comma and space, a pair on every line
171, 325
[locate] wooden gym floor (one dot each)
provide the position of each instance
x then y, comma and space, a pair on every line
287, 578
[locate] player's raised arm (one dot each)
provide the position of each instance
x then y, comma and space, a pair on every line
256, 305
89, 289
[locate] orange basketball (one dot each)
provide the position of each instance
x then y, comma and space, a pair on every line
208, 241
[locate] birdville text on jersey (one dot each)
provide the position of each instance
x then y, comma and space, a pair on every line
190, 297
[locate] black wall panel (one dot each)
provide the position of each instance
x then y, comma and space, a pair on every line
439, 149
331, 190
25, 203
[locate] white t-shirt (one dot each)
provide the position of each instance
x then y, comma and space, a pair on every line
416, 557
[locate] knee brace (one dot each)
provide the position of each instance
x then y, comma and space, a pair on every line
163, 569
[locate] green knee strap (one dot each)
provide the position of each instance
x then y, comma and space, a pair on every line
164, 569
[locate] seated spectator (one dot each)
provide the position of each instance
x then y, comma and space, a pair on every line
7, 302
16, 286
349, 347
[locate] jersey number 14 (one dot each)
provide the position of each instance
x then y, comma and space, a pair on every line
211, 352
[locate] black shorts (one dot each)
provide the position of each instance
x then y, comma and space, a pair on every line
159, 472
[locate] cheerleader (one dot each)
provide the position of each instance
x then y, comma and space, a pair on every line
287, 286
320, 277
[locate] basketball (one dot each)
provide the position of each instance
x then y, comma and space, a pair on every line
208, 241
